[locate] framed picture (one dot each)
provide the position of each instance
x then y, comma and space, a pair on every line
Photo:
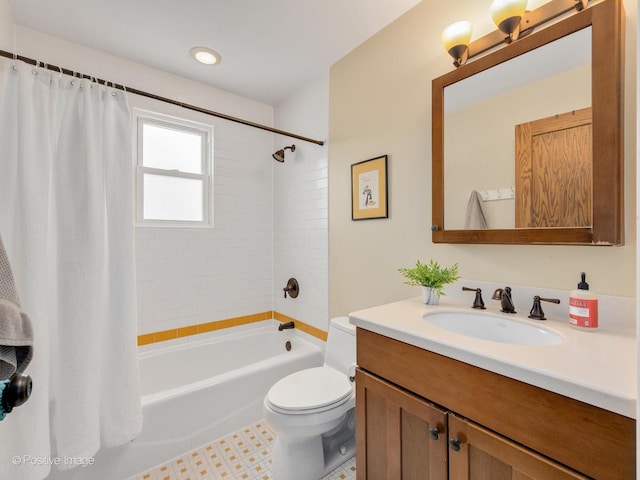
369, 189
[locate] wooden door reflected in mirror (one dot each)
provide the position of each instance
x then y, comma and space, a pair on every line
553, 171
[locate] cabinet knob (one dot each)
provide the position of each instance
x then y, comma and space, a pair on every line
434, 433
454, 444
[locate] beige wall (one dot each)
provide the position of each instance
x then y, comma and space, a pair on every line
380, 103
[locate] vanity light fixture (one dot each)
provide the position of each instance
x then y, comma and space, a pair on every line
511, 18
455, 39
205, 55
507, 14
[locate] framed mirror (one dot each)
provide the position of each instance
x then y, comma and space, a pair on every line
527, 141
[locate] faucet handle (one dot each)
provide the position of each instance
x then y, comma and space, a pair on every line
477, 302
292, 287
536, 310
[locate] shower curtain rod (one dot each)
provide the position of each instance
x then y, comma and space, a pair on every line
142, 93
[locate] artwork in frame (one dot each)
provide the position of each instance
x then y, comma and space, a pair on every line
369, 189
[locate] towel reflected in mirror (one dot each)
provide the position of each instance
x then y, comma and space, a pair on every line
476, 218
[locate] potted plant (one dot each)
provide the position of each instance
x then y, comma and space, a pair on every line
432, 277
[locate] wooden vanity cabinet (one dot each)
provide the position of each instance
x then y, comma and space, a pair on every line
506, 429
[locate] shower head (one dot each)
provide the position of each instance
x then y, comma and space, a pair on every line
279, 155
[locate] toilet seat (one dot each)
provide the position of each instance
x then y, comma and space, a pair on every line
310, 391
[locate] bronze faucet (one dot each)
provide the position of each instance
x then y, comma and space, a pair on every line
286, 326
504, 295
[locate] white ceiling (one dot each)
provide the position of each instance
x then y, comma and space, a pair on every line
269, 48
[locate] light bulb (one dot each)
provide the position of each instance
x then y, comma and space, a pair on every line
506, 14
205, 55
456, 34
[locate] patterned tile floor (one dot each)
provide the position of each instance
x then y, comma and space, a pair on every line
242, 455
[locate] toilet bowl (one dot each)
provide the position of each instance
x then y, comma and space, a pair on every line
312, 411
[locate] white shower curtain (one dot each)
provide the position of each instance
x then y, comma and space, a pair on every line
66, 220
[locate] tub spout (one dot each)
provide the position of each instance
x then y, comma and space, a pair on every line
287, 325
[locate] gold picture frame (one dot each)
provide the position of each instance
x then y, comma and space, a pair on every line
369, 189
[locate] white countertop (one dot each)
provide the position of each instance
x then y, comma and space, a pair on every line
596, 367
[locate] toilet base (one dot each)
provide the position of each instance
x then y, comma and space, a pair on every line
303, 462
335, 458
298, 459
311, 458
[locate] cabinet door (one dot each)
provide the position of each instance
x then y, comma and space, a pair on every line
399, 436
479, 454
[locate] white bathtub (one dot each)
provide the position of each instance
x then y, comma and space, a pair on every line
199, 391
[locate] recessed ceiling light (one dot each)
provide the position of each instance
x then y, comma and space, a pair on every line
205, 55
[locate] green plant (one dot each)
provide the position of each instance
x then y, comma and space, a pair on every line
430, 275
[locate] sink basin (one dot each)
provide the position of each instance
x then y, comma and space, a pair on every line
493, 328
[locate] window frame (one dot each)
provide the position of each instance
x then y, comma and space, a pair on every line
205, 131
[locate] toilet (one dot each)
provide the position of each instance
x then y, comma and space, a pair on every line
312, 411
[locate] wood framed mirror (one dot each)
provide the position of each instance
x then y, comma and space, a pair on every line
545, 208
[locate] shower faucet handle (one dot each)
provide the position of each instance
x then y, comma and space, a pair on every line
292, 288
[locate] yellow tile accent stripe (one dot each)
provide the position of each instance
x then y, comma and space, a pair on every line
164, 335
173, 333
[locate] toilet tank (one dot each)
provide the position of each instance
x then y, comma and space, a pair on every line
340, 352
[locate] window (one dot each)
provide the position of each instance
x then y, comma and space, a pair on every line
173, 171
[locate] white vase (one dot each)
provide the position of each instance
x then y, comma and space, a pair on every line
430, 296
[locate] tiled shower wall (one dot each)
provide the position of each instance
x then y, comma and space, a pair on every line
270, 223
190, 276
300, 206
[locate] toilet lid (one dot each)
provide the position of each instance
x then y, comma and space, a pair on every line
310, 389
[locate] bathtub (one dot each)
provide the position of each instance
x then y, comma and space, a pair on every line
199, 391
